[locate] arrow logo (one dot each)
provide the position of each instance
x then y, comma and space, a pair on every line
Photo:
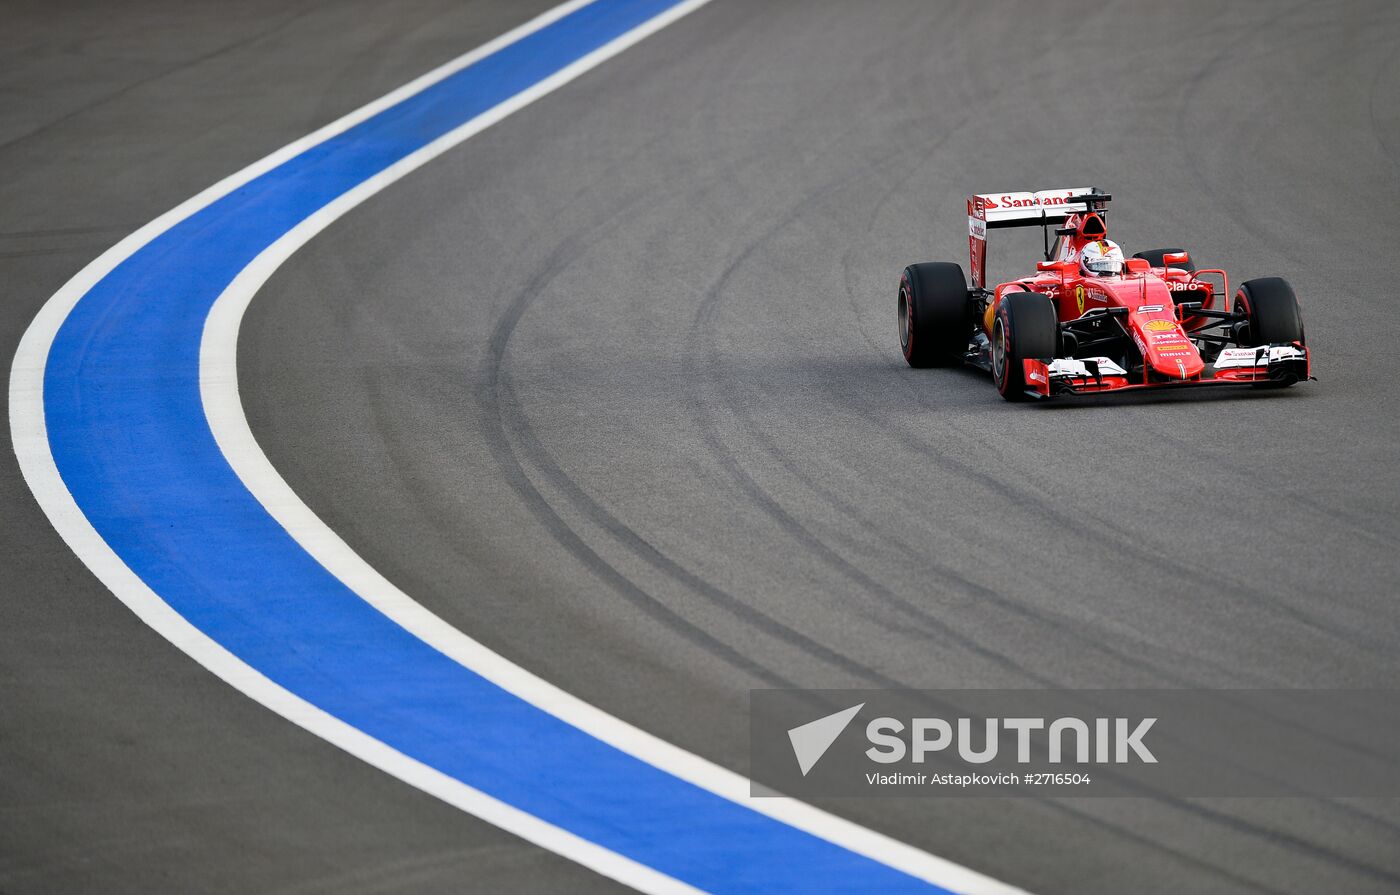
811, 740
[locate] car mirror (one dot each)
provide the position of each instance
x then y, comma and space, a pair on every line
1138, 265
1175, 258
1063, 267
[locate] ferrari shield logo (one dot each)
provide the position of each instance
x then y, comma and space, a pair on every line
1079, 299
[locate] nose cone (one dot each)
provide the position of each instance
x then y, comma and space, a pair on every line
1164, 345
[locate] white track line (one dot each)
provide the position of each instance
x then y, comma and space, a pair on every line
224, 409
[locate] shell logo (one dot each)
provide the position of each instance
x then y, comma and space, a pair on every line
1160, 326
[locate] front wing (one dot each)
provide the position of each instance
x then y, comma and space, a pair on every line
1282, 364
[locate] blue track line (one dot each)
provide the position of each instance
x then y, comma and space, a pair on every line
129, 436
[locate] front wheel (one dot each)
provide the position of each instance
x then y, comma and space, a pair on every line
1271, 316
1024, 329
1271, 312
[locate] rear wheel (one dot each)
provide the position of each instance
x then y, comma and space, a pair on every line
935, 319
1154, 257
1025, 328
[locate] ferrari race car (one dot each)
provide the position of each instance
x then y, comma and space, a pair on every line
1149, 321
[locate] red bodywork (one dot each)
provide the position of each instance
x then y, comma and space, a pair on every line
1160, 329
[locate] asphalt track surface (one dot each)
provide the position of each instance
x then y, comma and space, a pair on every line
614, 388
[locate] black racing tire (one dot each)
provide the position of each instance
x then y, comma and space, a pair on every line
1270, 309
1025, 327
1154, 258
1271, 313
935, 314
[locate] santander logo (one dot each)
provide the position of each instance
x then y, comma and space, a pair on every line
1007, 200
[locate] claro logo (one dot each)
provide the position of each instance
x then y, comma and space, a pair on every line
891, 740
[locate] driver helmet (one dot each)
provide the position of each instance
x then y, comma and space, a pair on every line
1101, 258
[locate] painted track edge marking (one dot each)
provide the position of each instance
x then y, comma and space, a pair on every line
219, 391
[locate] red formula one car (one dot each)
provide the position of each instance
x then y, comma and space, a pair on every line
1090, 320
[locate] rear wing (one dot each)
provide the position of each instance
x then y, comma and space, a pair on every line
993, 211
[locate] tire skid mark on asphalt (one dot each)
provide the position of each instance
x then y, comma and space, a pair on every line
703, 325
1244, 473
154, 77
1064, 625
509, 435
1110, 537
1388, 68
508, 418
702, 322
701, 372
512, 419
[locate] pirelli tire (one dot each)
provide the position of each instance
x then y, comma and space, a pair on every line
1025, 327
1155, 257
935, 314
1271, 313
1271, 316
